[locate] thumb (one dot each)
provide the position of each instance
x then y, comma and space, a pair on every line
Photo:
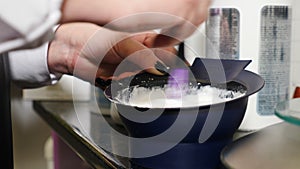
144, 57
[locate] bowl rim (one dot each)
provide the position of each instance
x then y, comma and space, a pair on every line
250, 80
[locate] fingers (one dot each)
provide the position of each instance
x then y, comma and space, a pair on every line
126, 58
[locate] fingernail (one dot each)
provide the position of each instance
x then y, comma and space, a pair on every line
161, 67
102, 83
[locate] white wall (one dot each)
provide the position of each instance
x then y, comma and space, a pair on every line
295, 53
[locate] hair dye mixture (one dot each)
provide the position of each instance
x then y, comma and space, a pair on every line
175, 96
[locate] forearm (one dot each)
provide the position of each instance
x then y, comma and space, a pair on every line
100, 12
122, 15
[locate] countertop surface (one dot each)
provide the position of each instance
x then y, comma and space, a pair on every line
273, 147
87, 132
95, 136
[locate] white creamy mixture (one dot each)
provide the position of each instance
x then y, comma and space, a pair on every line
166, 97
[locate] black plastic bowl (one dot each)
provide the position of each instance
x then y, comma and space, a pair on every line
188, 153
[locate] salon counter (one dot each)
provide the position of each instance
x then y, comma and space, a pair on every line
92, 135
84, 131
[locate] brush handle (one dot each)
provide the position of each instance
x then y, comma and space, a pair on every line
181, 51
179, 77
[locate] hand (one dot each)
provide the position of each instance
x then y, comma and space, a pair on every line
133, 55
88, 51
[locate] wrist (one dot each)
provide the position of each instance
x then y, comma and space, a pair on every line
57, 54
57, 59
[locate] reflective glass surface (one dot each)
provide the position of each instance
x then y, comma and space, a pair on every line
289, 111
